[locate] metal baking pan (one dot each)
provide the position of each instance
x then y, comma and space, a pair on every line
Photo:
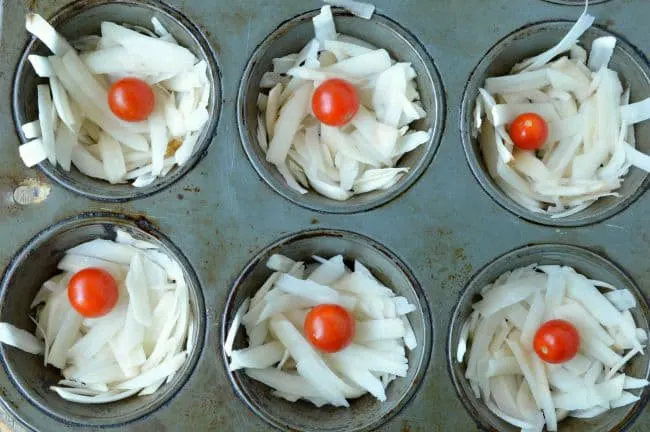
220, 214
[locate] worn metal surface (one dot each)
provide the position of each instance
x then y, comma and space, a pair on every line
221, 213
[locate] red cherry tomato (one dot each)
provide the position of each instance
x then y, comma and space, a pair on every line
92, 292
329, 327
529, 131
557, 341
335, 102
131, 99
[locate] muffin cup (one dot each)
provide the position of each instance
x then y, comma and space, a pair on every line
380, 31
365, 413
528, 41
84, 17
585, 262
25, 384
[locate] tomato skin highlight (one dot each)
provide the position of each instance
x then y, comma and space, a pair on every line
329, 327
131, 99
92, 292
556, 341
335, 102
529, 131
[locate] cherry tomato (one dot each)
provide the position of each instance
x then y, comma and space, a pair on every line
329, 327
92, 292
529, 131
335, 102
557, 341
131, 99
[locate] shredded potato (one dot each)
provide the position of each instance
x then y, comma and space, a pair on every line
279, 355
339, 162
131, 350
501, 347
590, 145
77, 95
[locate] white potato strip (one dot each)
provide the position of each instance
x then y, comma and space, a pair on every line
106, 250
360, 9
110, 125
139, 43
379, 329
20, 339
45, 115
512, 420
186, 150
262, 133
112, 158
318, 374
626, 398
64, 339
33, 152
236, 322
287, 125
41, 66
99, 399
272, 109
279, 263
503, 366
63, 106
584, 22
137, 287
40, 28
363, 65
544, 393
582, 291
32, 129
324, 25
345, 49
534, 320
75, 263
359, 375
635, 113
308, 289
93, 341
623, 299
508, 294
283, 381
153, 375
601, 52
329, 271
517, 83
65, 143
259, 357
158, 134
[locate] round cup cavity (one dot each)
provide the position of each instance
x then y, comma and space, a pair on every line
634, 72
365, 413
25, 382
583, 261
82, 18
290, 37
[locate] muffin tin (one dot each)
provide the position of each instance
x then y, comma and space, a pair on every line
221, 213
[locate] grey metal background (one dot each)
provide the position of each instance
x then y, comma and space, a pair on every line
444, 227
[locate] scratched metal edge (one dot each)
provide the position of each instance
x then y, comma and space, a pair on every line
430, 410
